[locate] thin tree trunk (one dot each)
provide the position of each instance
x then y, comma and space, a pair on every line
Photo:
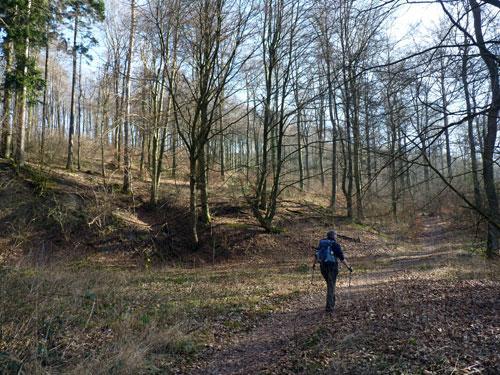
307, 160
126, 123
19, 155
162, 145
79, 122
116, 117
367, 138
247, 140
321, 139
174, 151
192, 200
470, 128
332, 111
445, 119
356, 147
299, 148
7, 116
69, 161
221, 142
104, 125
44, 103
202, 184
202, 170
157, 104
392, 136
349, 174
143, 132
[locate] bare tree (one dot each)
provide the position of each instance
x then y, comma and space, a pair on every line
126, 117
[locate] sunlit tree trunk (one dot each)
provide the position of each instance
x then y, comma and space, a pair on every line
45, 119
69, 161
6, 139
22, 69
126, 123
470, 127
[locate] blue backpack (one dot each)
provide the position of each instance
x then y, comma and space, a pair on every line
324, 253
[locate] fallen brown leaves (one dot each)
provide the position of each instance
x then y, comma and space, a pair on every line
412, 325
421, 307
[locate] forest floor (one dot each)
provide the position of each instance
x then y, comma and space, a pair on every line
417, 310
83, 289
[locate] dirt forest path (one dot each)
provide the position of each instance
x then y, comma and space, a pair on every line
383, 304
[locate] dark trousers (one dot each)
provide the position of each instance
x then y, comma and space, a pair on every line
330, 271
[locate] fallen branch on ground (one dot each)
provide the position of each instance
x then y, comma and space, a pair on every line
347, 238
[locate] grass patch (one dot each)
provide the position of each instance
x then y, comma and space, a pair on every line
237, 225
302, 268
475, 249
65, 317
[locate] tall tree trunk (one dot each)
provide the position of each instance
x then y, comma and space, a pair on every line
401, 166
392, 154
345, 162
192, 199
163, 140
143, 151
202, 184
332, 111
298, 106
157, 105
22, 68
375, 161
321, 139
221, 142
261, 190
79, 122
299, 147
104, 127
491, 134
349, 172
356, 146
479, 122
470, 128
29, 122
255, 131
367, 136
307, 159
247, 140
116, 117
445, 119
59, 119
423, 137
174, 151
126, 123
202, 170
7, 118
143, 131
45, 119
69, 161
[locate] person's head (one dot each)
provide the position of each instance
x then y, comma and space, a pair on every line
331, 235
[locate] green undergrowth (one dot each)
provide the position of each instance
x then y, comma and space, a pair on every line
114, 319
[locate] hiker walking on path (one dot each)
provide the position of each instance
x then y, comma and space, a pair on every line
327, 254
